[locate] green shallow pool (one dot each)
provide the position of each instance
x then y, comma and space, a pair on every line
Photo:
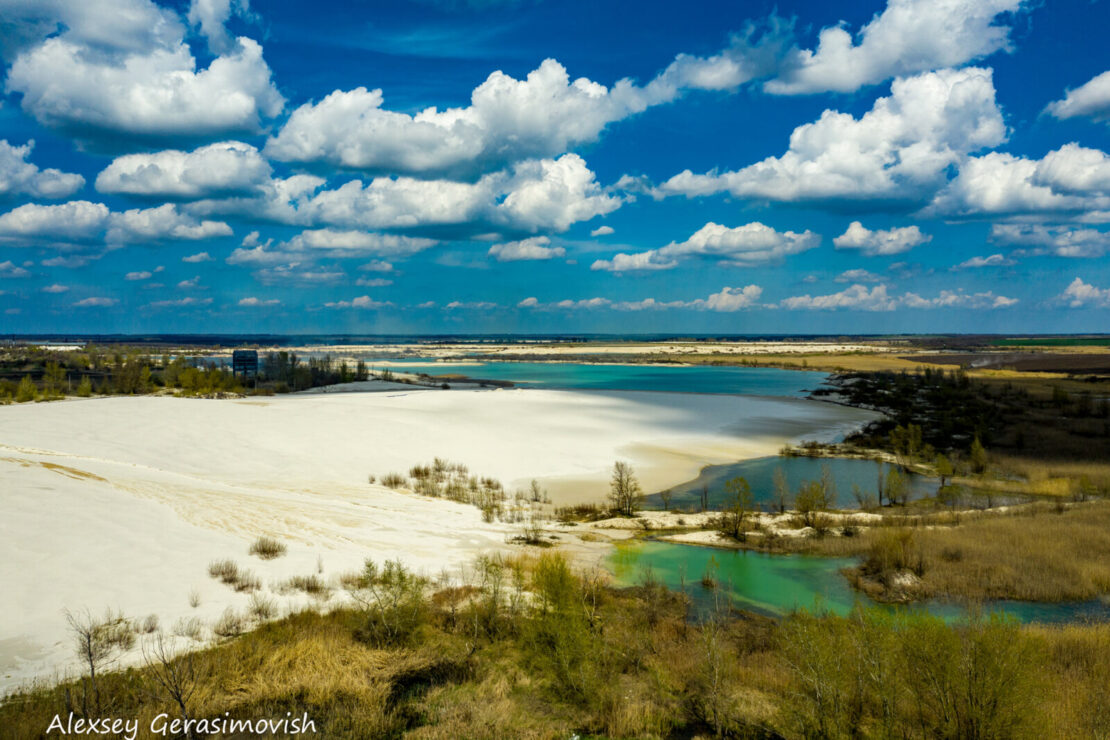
779, 584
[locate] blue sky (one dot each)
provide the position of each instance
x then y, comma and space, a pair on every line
485, 166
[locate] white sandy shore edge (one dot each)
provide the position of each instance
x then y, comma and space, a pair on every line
123, 502
558, 350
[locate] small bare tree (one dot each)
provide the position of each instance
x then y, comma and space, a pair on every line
828, 487
944, 470
781, 496
175, 675
897, 487
740, 503
665, 497
811, 500
624, 490
98, 642
392, 600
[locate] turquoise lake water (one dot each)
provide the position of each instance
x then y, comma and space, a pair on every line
760, 474
758, 381
695, 379
778, 584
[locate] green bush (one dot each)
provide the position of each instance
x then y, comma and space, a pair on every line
27, 391
881, 674
392, 602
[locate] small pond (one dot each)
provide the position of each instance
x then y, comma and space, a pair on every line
778, 584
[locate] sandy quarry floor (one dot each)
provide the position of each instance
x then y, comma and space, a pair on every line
123, 502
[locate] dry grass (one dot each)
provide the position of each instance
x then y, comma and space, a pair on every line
647, 673
1042, 557
192, 628
230, 574
305, 663
262, 607
312, 585
824, 361
267, 548
226, 571
394, 480
230, 624
909, 360
1039, 552
1066, 478
1079, 659
247, 582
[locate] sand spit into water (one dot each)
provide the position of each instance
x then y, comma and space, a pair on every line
123, 502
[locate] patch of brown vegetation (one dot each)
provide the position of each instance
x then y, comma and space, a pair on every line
1032, 553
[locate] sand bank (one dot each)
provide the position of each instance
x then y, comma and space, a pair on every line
123, 502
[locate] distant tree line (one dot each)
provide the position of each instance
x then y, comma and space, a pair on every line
29, 373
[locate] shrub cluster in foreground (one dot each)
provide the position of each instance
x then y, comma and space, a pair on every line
444, 479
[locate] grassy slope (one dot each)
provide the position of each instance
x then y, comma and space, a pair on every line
602, 663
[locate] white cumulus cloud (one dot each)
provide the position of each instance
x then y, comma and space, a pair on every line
881, 241
993, 260
211, 17
74, 221
858, 276
162, 222
124, 68
899, 150
734, 299
96, 302
959, 299
1079, 294
180, 302
727, 300
216, 170
359, 242
533, 248
856, 297
1074, 170
20, 177
1090, 100
1061, 241
253, 301
1072, 181
508, 120
537, 195
751, 244
859, 298
9, 269
907, 37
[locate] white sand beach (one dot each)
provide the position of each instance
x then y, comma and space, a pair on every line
123, 502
